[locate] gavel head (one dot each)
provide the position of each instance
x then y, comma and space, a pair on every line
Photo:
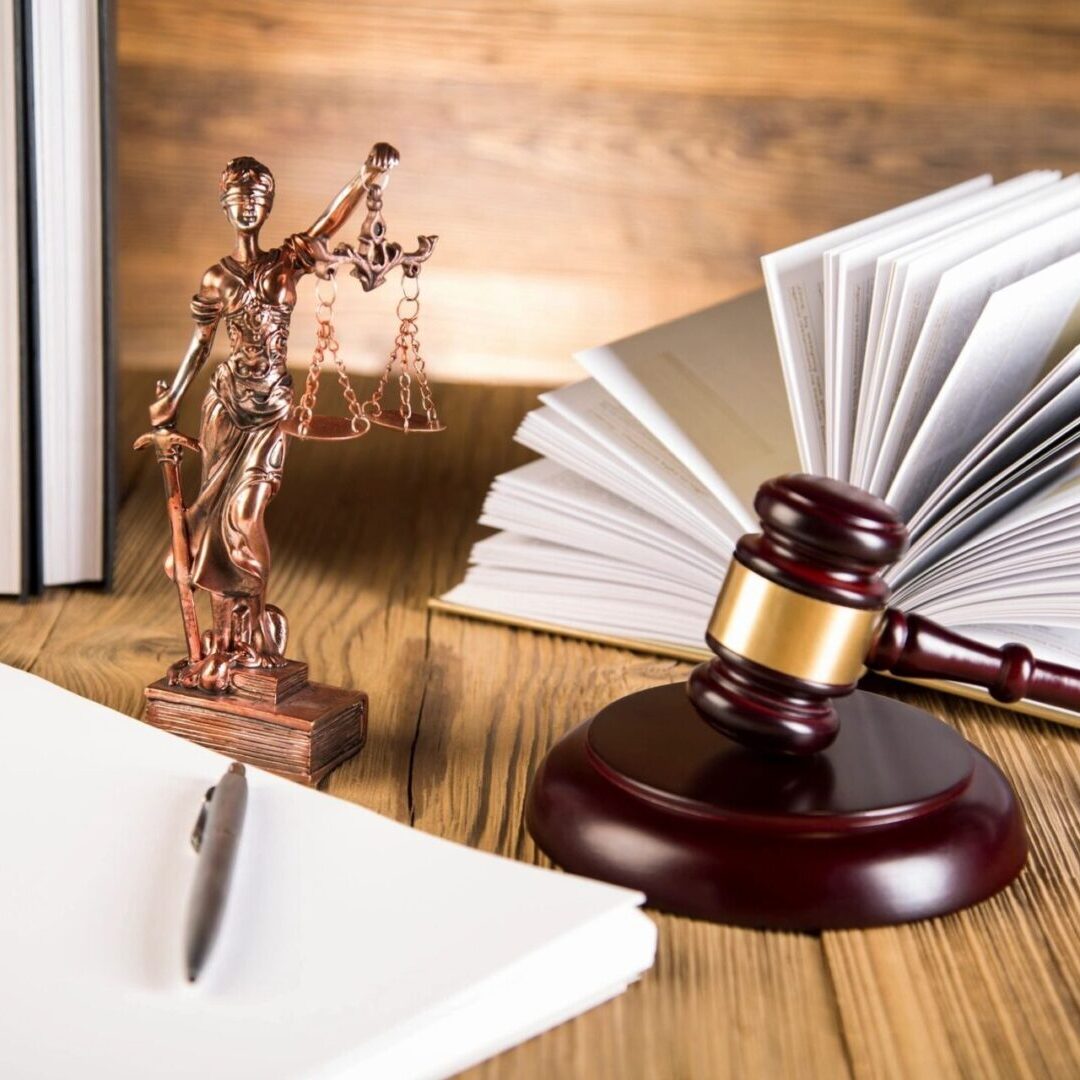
797, 614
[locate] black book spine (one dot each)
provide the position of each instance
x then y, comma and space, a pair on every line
31, 440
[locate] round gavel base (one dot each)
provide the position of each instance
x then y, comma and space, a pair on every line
899, 819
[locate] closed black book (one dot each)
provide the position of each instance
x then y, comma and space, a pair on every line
65, 51
18, 476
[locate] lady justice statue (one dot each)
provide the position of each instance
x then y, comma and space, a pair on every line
219, 541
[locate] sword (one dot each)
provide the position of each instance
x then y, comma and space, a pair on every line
169, 446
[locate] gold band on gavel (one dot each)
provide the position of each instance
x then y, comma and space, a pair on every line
791, 633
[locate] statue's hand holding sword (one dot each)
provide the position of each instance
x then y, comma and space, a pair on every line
169, 445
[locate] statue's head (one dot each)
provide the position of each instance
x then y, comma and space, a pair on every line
246, 193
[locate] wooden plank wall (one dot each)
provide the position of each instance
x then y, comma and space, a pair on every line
592, 166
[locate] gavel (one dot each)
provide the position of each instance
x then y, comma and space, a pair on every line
803, 612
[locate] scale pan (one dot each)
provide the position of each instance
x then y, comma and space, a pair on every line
418, 422
323, 427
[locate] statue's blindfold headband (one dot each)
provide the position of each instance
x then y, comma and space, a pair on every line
258, 193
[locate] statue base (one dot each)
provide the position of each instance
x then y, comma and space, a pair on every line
899, 819
273, 719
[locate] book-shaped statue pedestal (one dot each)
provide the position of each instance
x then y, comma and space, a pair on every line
768, 791
898, 819
272, 718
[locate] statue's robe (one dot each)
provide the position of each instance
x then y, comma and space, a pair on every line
243, 444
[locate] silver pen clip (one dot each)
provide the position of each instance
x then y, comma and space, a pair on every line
200, 821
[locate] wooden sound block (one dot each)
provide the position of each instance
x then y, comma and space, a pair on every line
300, 734
899, 819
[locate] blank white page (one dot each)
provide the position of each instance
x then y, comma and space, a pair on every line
346, 934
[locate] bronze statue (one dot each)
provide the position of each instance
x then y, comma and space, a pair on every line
219, 540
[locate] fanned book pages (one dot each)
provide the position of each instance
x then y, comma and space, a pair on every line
925, 354
351, 946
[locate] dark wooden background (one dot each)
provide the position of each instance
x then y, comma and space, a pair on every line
592, 167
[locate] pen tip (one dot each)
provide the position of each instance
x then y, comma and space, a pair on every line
192, 975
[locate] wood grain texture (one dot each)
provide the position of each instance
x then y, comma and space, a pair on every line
461, 713
721, 1002
995, 990
592, 166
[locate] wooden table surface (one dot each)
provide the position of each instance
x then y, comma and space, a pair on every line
363, 534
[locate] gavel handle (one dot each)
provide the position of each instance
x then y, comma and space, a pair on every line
911, 645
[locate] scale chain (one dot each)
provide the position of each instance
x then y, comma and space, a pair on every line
324, 310
406, 353
408, 347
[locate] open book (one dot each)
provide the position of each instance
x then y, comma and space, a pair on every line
350, 946
924, 354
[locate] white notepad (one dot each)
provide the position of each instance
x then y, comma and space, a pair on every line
351, 946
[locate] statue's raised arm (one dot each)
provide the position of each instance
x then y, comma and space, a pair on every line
374, 175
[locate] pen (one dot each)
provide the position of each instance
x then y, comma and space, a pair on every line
216, 838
